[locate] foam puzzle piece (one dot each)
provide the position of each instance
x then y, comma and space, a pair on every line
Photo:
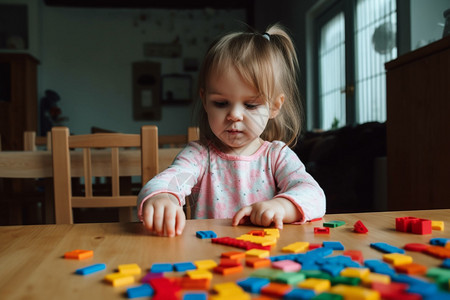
327, 296
345, 280
397, 259
438, 251
199, 274
228, 262
298, 293
161, 267
187, 283
296, 247
446, 263
233, 254
292, 278
79, 254
184, 266
355, 272
412, 269
205, 264
416, 247
91, 269
333, 224
150, 275
386, 248
257, 253
228, 270
287, 265
275, 289
355, 292
253, 284
119, 279
315, 284
195, 296
335, 245
437, 225
130, 269
256, 262
206, 234
421, 226
238, 243
359, 227
375, 277
321, 230
144, 290
439, 241
355, 255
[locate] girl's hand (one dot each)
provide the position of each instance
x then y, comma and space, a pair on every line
264, 213
162, 215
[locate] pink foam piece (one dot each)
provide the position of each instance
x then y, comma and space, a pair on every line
287, 265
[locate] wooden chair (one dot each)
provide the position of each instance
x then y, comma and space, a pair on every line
62, 142
31, 142
178, 140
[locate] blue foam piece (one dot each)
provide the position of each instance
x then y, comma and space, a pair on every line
195, 296
423, 289
91, 269
332, 269
439, 241
302, 294
319, 252
144, 290
333, 245
403, 278
253, 284
446, 263
441, 295
184, 266
206, 234
386, 248
160, 268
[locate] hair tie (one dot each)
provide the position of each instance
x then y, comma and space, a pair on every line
266, 36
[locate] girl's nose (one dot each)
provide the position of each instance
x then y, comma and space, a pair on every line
236, 113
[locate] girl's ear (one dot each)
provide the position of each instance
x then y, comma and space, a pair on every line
276, 106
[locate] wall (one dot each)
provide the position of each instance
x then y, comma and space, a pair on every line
87, 56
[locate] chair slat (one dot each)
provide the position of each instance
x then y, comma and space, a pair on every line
115, 172
87, 166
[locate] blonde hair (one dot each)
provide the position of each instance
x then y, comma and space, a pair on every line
267, 62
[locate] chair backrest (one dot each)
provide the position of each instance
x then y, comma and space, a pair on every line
62, 142
178, 140
31, 141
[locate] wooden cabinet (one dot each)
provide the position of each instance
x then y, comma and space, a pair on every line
418, 128
18, 98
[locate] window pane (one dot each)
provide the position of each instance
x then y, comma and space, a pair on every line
375, 44
332, 73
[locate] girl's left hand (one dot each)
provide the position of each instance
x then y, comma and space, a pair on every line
262, 213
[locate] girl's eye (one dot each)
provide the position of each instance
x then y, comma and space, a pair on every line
251, 106
220, 104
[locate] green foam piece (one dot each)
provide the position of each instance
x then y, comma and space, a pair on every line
333, 224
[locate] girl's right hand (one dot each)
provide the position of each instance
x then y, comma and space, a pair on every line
163, 216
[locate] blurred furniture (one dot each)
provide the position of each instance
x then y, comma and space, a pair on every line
18, 98
180, 140
62, 142
418, 106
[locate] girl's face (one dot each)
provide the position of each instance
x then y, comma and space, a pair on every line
237, 113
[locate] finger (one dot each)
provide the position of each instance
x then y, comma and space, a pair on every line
148, 218
267, 217
239, 216
158, 219
169, 221
180, 222
278, 221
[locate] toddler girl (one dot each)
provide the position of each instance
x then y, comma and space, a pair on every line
242, 167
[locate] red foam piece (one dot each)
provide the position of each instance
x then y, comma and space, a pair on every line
421, 226
238, 243
359, 227
416, 247
321, 230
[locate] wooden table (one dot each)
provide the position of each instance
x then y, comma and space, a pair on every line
32, 266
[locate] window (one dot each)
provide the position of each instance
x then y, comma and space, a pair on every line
354, 40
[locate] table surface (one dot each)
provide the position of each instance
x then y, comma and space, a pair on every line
33, 267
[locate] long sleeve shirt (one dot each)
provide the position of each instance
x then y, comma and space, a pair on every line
220, 184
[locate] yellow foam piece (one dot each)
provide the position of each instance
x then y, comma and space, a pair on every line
397, 259
119, 279
272, 231
228, 288
317, 284
355, 292
296, 247
437, 225
240, 296
130, 269
257, 253
261, 240
355, 272
375, 277
199, 274
205, 264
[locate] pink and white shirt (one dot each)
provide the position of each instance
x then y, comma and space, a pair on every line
220, 184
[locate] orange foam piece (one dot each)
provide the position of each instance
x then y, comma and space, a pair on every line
412, 268
228, 270
438, 251
276, 289
187, 283
229, 262
233, 255
79, 254
256, 262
